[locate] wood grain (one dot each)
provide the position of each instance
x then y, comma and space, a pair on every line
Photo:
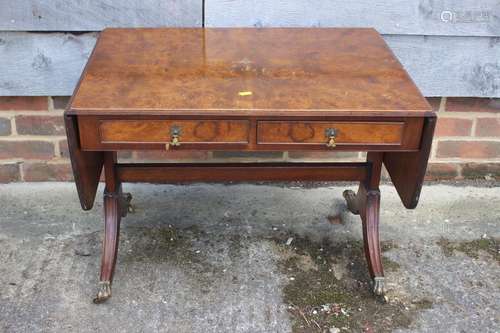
342, 71
151, 131
95, 15
302, 132
250, 133
424, 17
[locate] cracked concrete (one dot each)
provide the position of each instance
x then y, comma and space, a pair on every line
203, 258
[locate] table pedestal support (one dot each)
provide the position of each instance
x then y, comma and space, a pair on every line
116, 206
365, 202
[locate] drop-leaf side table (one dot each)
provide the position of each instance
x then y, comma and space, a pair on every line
247, 90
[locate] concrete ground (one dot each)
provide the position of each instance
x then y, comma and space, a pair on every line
249, 258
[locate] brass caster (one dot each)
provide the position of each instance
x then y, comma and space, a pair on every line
103, 293
378, 286
352, 204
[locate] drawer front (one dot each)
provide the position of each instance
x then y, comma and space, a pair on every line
161, 131
308, 133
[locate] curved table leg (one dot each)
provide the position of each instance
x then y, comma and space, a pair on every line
367, 204
112, 215
370, 218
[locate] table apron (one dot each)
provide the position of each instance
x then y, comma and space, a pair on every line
227, 172
250, 134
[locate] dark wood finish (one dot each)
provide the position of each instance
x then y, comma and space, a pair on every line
112, 181
407, 170
252, 90
366, 203
375, 160
113, 211
276, 71
369, 205
252, 134
86, 165
225, 172
112, 217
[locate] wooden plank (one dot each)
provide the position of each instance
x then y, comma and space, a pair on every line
425, 17
224, 172
77, 15
35, 64
50, 63
451, 66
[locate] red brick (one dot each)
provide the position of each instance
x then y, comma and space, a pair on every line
472, 104
60, 102
438, 171
453, 127
9, 172
171, 155
63, 148
37, 172
469, 149
5, 128
434, 102
481, 170
29, 103
26, 149
488, 127
40, 125
322, 155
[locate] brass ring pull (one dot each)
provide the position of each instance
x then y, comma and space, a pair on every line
331, 133
175, 141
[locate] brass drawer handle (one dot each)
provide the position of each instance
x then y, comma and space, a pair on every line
175, 141
331, 133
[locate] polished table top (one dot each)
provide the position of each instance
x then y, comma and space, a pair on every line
241, 71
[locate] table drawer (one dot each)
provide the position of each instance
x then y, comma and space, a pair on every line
345, 133
190, 131
149, 133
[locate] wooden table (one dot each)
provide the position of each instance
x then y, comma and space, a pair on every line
247, 90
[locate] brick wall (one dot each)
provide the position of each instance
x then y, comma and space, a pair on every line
33, 144
467, 140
